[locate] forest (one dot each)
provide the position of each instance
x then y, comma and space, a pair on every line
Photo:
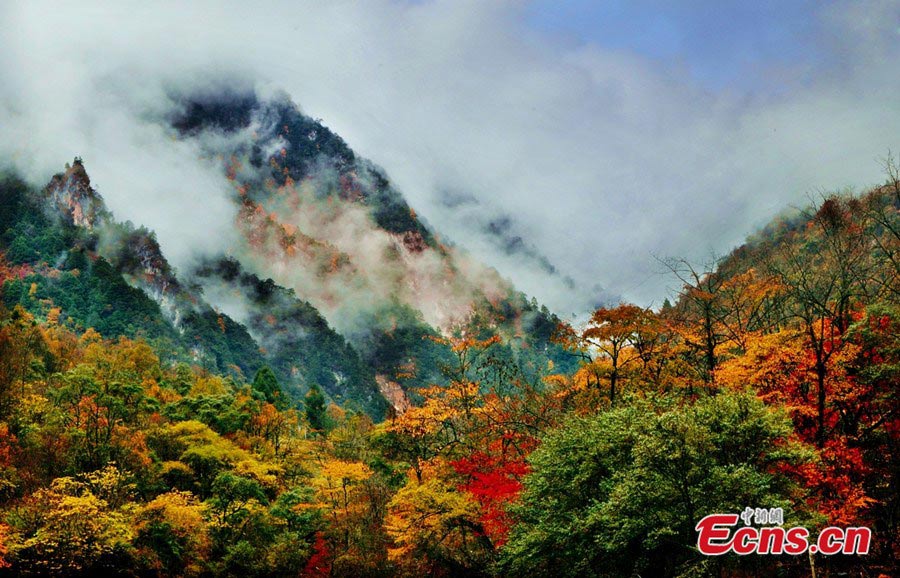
771, 380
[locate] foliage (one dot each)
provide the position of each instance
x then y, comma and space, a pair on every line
620, 492
130, 447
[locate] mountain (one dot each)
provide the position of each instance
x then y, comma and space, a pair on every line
323, 222
295, 339
142, 431
109, 276
332, 280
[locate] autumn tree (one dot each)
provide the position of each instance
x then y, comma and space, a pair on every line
620, 337
342, 490
435, 529
882, 209
824, 276
868, 416
72, 528
272, 425
698, 310
172, 535
21, 341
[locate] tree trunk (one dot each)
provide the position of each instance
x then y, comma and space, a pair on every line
613, 377
820, 384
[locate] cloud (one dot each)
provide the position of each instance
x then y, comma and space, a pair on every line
596, 158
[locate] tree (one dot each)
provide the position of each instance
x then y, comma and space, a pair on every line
272, 425
342, 489
21, 341
622, 336
749, 306
494, 480
266, 383
698, 309
315, 409
435, 529
824, 275
172, 535
620, 492
777, 366
68, 529
870, 416
882, 209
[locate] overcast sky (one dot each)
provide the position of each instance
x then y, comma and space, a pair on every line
601, 133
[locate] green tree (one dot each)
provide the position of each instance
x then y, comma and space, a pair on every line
266, 383
621, 492
315, 410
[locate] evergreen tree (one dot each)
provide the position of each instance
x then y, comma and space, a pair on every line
266, 383
315, 408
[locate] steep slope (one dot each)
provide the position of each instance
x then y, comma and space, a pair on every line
334, 280
114, 277
329, 225
295, 339
840, 230
109, 276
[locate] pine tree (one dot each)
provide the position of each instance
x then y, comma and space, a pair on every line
266, 383
315, 408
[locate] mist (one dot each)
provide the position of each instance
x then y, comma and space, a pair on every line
597, 159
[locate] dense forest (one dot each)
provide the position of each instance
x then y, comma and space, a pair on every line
450, 289
770, 381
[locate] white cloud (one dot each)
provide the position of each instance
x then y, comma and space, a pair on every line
600, 158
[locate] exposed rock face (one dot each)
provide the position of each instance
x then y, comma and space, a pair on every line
393, 392
142, 258
336, 278
135, 252
71, 194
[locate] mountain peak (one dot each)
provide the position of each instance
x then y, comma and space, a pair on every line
71, 193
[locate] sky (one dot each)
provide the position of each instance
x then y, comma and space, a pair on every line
720, 43
597, 137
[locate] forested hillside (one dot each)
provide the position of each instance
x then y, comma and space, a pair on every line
73, 258
330, 226
129, 447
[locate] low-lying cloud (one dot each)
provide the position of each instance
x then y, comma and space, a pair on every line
597, 159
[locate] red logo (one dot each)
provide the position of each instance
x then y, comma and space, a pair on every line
717, 535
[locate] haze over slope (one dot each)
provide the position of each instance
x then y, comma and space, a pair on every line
537, 153
327, 274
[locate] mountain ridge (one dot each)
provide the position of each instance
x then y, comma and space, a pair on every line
335, 280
